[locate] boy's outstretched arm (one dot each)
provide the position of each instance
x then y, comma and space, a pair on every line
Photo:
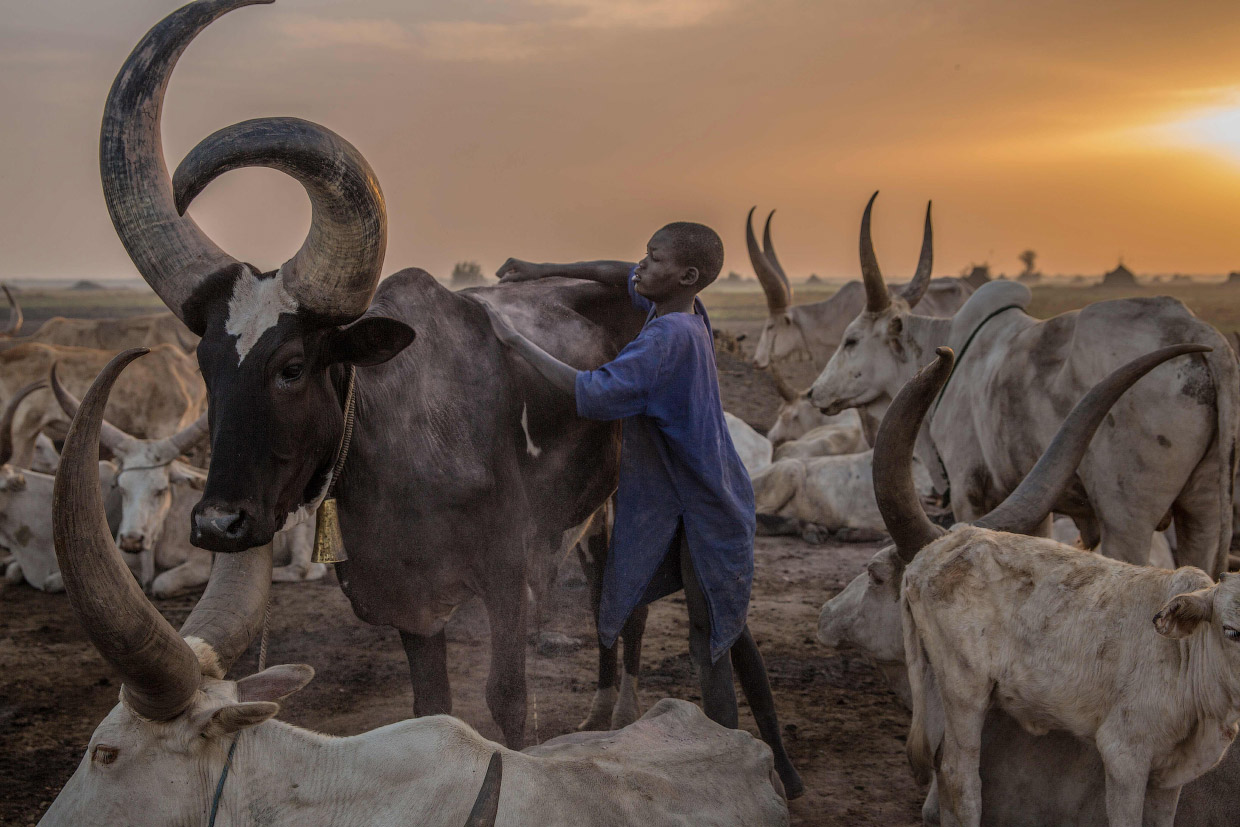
613, 273
560, 375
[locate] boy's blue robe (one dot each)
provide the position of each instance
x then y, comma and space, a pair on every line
677, 464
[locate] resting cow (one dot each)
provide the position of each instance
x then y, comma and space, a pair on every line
1168, 449
462, 464
1058, 639
157, 757
797, 417
753, 448
1027, 780
813, 331
157, 493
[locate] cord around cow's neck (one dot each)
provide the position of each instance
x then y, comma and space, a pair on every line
342, 450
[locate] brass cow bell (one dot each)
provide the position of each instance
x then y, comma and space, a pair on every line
328, 544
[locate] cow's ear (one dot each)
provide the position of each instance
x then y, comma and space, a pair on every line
179, 473
369, 341
232, 718
1180, 617
895, 329
274, 683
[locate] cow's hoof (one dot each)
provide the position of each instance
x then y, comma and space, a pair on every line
599, 719
815, 535
54, 584
627, 709
13, 573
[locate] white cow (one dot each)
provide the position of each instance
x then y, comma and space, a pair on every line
158, 492
813, 331
797, 415
753, 448
823, 494
1054, 637
1016, 379
824, 441
157, 757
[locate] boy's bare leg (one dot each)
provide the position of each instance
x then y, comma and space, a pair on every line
715, 679
751, 671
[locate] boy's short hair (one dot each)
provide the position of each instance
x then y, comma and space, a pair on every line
696, 245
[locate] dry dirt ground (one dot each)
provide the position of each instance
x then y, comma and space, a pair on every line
844, 729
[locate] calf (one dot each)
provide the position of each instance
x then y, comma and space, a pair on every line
1053, 637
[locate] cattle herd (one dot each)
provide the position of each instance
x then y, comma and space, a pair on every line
1039, 480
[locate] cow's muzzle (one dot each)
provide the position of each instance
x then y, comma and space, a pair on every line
226, 528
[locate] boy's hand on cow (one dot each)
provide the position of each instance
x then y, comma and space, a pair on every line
503, 329
514, 270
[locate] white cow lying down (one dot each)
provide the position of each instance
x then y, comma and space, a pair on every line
753, 448
1057, 639
155, 759
823, 494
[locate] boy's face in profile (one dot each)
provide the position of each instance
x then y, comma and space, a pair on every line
660, 276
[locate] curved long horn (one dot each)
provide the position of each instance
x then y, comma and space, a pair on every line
335, 272
905, 519
185, 439
1026, 507
768, 249
15, 314
786, 391
230, 612
877, 299
113, 438
170, 251
6, 419
778, 294
159, 669
925, 263
486, 805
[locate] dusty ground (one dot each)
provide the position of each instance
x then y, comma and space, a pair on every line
845, 730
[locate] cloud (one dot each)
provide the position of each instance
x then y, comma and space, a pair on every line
355, 34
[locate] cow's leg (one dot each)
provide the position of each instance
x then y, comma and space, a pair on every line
1127, 771
628, 708
506, 694
592, 553
1160, 806
428, 670
747, 661
1198, 525
959, 776
930, 807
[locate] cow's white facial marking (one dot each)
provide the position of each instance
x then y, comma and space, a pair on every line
530, 448
256, 306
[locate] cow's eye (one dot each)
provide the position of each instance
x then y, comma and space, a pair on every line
1232, 634
292, 371
850, 343
104, 754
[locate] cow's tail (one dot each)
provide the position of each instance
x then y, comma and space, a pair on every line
920, 755
1225, 372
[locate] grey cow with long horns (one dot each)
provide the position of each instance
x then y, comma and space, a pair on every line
1168, 450
159, 757
462, 462
813, 331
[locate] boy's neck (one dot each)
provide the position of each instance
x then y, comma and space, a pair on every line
676, 304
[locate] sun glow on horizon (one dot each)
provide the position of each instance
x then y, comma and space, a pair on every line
1216, 128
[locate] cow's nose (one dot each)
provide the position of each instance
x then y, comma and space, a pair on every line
132, 543
220, 528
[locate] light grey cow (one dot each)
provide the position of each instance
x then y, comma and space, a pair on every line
1016, 379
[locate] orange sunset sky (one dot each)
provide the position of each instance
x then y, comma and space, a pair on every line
569, 129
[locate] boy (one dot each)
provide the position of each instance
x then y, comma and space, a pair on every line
684, 508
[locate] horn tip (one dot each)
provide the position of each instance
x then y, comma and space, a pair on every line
944, 352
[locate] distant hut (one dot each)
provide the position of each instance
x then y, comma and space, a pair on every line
1233, 278
979, 275
733, 278
86, 284
1121, 276
813, 279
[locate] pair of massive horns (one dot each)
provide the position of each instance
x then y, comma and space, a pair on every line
119, 442
160, 670
335, 272
767, 268
877, 296
1026, 507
